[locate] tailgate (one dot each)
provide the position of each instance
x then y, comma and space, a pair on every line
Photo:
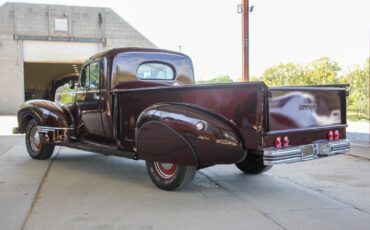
295, 108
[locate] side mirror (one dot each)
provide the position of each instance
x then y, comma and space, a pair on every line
71, 84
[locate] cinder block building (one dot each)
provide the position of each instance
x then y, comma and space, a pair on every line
43, 45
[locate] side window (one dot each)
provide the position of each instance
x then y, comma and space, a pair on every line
85, 76
155, 71
94, 75
91, 76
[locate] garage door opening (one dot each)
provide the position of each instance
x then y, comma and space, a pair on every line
49, 64
42, 79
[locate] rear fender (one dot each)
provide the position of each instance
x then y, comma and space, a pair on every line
185, 134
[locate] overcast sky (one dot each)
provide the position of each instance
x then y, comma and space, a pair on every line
280, 30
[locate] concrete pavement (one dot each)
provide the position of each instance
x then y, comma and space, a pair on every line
359, 132
81, 190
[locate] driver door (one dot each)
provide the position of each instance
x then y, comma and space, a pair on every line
88, 101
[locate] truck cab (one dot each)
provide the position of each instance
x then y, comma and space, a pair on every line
90, 100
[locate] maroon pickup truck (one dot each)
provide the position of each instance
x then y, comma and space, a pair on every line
142, 104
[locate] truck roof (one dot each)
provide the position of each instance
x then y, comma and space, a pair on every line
114, 51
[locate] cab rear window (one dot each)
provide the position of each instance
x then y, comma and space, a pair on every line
155, 71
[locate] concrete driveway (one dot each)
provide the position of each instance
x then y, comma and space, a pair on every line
81, 190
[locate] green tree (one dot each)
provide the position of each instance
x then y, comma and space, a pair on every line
358, 79
219, 79
283, 74
322, 71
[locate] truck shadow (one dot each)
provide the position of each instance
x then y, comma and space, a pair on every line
126, 172
92, 176
99, 167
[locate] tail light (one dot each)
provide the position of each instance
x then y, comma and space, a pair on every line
277, 142
285, 141
330, 135
336, 135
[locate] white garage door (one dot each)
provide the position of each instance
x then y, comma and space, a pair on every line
58, 52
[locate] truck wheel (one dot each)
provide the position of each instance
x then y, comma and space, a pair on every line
36, 149
253, 164
168, 176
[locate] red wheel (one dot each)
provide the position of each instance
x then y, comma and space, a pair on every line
169, 176
165, 170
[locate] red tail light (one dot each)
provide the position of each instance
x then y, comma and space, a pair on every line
285, 141
330, 135
336, 135
277, 142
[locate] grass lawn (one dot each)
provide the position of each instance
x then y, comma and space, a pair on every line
354, 116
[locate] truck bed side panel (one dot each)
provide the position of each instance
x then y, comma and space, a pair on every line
241, 104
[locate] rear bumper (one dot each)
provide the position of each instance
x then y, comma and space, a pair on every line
273, 156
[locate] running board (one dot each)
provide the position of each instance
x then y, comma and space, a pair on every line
102, 149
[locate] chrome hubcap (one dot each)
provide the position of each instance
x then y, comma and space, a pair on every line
35, 139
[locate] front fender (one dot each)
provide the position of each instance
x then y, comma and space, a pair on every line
185, 134
46, 113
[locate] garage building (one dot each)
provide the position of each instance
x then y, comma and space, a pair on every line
43, 46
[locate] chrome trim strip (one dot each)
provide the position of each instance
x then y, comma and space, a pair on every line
309, 88
52, 129
273, 156
88, 90
334, 126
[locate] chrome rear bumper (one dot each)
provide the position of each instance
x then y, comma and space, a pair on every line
273, 156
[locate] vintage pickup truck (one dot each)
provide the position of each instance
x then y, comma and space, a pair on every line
142, 104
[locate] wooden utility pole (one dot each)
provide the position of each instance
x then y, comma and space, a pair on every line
245, 39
